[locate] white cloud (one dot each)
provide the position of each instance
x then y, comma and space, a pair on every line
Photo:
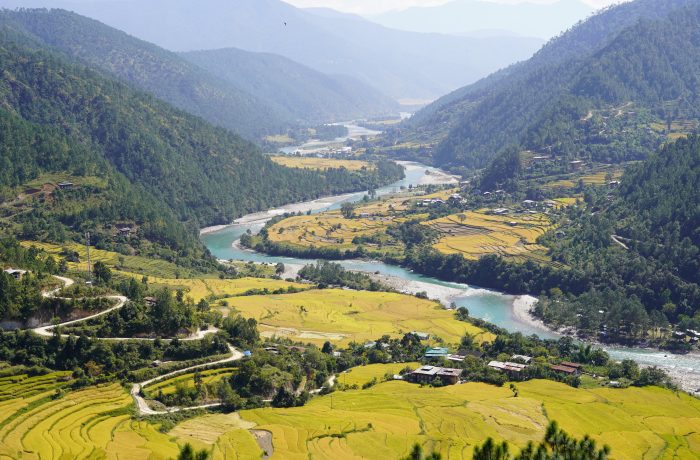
369, 7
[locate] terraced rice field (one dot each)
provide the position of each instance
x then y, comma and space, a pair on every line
363, 374
90, 423
343, 316
378, 423
225, 435
311, 162
385, 420
135, 264
199, 289
475, 234
598, 178
187, 380
331, 229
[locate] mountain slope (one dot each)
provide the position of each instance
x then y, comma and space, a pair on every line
295, 90
584, 95
653, 277
464, 16
204, 175
399, 64
149, 68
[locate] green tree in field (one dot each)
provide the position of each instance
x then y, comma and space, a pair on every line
103, 274
187, 452
556, 445
491, 451
417, 454
347, 210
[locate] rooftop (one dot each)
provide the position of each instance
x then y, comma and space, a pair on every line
427, 370
565, 369
450, 372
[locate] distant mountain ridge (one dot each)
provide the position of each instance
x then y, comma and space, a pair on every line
248, 105
543, 104
459, 17
294, 90
399, 64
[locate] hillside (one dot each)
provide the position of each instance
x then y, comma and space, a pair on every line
297, 91
603, 84
150, 68
66, 119
403, 65
639, 253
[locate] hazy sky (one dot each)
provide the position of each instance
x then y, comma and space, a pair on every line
378, 6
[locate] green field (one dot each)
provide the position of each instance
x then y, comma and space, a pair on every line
169, 386
364, 374
343, 316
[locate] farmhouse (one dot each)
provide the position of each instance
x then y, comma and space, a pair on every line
421, 335
523, 358
150, 301
575, 366
124, 231
15, 273
499, 211
565, 369
65, 185
461, 355
577, 165
437, 352
508, 367
428, 374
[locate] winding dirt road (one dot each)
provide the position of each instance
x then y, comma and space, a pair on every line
46, 331
141, 405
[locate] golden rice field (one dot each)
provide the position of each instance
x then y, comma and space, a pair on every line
199, 289
598, 178
331, 229
381, 422
169, 386
475, 234
225, 435
89, 423
279, 139
312, 162
136, 264
344, 316
363, 374
384, 421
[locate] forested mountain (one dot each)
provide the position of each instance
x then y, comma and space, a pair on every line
639, 254
399, 64
60, 117
150, 68
596, 93
297, 91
